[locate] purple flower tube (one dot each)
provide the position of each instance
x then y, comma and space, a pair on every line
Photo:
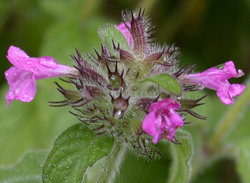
26, 70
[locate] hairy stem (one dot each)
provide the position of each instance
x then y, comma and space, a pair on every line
112, 164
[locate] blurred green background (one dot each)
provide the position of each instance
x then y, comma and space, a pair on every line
208, 33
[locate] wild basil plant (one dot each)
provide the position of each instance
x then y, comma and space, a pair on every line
129, 95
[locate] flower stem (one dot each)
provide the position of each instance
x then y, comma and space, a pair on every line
230, 118
113, 162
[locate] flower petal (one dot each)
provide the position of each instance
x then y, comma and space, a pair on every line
164, 104
41, 67
162, 119
230, 70
15, 55
217, 79
236, 89
223, 94
176, 120
21, 60
22, 85
148, 124
170, 134
157, 137
123, 28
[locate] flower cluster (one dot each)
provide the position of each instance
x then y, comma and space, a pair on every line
111, 93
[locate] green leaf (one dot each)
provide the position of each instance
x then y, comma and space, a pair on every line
26, 170
33, 125
106, 169
243, 159
109, 33
167, 82
74, 151
180, 171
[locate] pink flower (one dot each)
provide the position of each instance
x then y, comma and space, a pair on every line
162, 119
26, 70
124, 29
217, 79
